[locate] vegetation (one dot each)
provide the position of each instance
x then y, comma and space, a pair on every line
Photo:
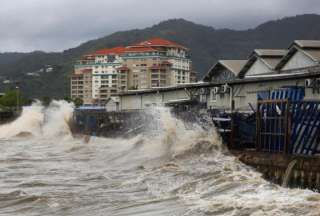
77, 102
206, 43
13, 99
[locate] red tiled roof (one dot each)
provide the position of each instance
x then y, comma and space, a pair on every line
140, 49
158, 42
114, 50
123, 68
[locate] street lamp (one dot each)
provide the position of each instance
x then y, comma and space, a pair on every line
17, 94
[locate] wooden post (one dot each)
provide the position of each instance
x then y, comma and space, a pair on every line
258, 119
287, 128
232, 134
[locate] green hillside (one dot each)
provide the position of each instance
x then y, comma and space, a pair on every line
206, 43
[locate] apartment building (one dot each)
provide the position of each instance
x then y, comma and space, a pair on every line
149, 64
81, 79
155, 63
105, 74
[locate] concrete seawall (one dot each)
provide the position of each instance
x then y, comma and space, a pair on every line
286, 170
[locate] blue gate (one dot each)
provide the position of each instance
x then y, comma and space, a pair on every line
286, 123
291, 127
272, 118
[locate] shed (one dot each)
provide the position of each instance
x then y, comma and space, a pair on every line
224, 70
262, 61
302, 53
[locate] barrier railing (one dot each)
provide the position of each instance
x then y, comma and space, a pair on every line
288, 127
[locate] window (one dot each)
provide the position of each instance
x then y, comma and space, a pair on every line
213, 97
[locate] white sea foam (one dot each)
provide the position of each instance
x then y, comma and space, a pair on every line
171, 169
40, 121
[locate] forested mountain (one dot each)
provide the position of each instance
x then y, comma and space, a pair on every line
206, 43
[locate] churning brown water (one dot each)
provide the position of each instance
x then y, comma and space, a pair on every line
169, 171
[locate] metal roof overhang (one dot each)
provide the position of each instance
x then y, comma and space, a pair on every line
273, 77
300, 73
166, 89
180, 102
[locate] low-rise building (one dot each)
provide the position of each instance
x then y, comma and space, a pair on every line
237, 85
266, 71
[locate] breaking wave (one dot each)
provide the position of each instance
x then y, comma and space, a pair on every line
37, 120
170, 169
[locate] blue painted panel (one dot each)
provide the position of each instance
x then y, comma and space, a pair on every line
292, 93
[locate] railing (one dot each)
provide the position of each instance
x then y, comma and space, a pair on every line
288, 127
272, 124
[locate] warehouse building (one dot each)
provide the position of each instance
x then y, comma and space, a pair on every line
236, 85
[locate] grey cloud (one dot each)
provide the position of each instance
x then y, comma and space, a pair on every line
54, 25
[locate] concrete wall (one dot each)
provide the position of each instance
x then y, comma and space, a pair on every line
243, 94
112, 106
130, 102
218, 101
142, 101
298, 60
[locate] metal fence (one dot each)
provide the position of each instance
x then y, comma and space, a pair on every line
290, 127
272, 126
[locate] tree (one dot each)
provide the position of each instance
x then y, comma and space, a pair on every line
77, 102
68, 99
13, 98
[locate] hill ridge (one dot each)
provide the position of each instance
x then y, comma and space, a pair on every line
207, 45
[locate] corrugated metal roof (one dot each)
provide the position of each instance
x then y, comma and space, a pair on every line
270, 52
307, 72
308, 43
272, 62
309, 47
314, 54
233, 65
270, 57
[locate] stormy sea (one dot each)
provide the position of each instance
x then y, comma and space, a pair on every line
170, 170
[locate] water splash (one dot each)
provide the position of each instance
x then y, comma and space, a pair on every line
171, 137
171, 169
199, 170
39, 121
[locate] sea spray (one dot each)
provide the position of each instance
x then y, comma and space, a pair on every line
175, 137
29, 122
170, 169
57, 119
39, 121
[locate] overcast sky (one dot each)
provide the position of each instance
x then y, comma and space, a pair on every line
54, 25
